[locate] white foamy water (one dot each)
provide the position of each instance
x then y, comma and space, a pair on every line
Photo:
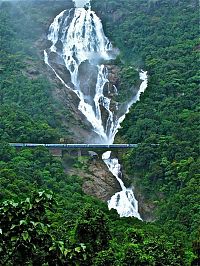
83, 39
124, 201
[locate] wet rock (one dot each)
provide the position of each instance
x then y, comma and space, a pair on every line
113, 74
99, 182
88, 78
146, 207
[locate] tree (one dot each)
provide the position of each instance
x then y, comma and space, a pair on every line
26, 234
92, 230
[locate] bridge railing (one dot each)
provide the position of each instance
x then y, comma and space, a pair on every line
75, 146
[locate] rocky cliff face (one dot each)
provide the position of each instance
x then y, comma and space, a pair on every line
97, 179
99, 182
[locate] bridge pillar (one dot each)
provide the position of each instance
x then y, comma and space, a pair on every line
79, 153
56, 152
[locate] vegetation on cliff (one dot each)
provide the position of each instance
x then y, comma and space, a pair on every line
162, 37
69, 227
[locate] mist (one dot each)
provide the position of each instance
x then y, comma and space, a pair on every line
81, 3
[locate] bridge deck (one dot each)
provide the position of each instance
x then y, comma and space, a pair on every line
75, 146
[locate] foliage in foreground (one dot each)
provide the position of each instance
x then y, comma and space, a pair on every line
28, 237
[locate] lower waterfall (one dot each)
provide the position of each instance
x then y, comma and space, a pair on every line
124, 202
78, 44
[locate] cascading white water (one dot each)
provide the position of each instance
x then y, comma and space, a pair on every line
82, 39
79, 43
124, 201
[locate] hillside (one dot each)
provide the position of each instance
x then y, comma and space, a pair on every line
46, 218
161, 37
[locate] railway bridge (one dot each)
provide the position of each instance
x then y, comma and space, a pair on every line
79, 149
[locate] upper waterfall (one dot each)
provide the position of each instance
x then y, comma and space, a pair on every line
79, 43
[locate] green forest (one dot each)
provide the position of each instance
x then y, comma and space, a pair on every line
45, 217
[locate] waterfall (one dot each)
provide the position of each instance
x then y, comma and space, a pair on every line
77, 38
124, 201
78, 43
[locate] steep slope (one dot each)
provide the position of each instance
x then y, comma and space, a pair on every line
162, 36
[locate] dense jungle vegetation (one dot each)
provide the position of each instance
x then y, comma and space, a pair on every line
162, 37
45, 218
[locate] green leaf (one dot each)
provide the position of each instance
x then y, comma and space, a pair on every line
25, 236
83, 246
44, 228
41, 193
23, 222
49, 196
10, 217
14, 238
37, 200
66, 251
78, 249
27, 200
13, 226
52, 248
